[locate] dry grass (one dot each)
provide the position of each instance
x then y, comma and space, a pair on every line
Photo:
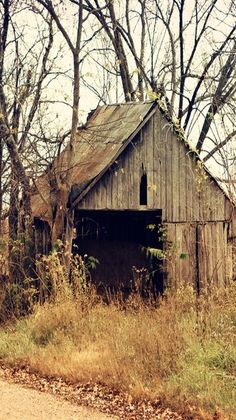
181, 350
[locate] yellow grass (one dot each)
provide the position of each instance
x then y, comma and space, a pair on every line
181, 350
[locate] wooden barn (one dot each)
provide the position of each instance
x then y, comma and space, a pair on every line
143, 201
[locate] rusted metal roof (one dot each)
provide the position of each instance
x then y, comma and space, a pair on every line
98, 144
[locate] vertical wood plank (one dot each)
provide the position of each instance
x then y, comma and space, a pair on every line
169, 175
162, 152
131, 177
157, 173
163, 148
169, 262
143, 157
175, 181
108, 188
125, 183
137, 149
202, 256
149, 162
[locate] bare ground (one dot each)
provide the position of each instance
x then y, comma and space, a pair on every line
17, 403
53, 399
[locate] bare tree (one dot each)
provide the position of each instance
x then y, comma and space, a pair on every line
184, 54
62, 213
23, 70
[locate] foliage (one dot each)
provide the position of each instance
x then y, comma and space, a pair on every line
170, 251
200, 176
56, 282
16, 300
156, 252
51, 282
183, 256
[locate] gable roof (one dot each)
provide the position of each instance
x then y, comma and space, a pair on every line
98, 144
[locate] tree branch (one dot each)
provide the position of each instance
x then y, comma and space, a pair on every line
220, 146
205, 70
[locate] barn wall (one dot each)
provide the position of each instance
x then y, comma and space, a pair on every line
181, 258
233, 251
42, 237
176, 183
232, 232
232, 242
198, 253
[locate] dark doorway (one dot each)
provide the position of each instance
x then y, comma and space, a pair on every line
119, 240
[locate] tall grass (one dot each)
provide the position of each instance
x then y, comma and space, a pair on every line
183, 349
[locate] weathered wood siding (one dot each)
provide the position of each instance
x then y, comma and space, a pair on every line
42, 237
176, 183
232, 247
213, 263
207, 255
180, 242
232, 242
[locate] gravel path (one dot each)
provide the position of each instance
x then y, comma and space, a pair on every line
18, 403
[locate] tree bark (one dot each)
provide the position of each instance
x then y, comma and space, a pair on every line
62, 214
1, 192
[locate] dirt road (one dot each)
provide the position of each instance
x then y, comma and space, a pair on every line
63, 401
18, 403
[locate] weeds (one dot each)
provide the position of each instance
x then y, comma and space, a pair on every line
182, 349
16, 300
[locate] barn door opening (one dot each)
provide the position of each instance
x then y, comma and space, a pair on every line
119, 240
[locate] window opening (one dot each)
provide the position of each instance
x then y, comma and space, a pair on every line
143, 188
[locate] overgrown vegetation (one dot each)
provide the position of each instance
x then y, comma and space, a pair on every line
182, 349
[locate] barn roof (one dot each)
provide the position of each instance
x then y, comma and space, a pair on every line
99, 143
108, 131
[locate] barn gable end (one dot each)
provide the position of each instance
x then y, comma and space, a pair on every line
176, 180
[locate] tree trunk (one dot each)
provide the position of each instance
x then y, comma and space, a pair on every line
20, 225
62, 214
1, 192
21, 234
123, 63
14, 246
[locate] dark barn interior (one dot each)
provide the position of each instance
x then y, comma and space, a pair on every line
119, 240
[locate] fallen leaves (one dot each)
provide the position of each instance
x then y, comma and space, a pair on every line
96, 396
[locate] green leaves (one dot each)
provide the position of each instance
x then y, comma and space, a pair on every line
156, 252
184, 256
